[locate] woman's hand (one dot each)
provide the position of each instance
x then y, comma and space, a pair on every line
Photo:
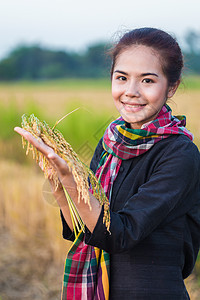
55, 160
61, 168
67, 180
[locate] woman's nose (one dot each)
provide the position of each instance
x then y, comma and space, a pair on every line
132, 90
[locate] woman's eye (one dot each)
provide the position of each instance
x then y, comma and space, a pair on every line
147, 80
122, 78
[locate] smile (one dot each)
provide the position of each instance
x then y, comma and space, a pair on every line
133, 107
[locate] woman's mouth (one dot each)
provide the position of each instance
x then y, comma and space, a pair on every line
132, 107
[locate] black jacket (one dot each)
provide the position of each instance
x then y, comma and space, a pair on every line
155, 221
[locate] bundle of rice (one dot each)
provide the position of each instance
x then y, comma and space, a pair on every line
81, 172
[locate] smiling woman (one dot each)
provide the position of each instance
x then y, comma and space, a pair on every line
146, 72
149, 169
141, 89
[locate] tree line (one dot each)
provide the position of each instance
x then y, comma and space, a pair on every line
36, 62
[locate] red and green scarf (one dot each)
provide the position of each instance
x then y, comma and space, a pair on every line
86, 274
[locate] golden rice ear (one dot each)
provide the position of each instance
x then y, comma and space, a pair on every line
81, 172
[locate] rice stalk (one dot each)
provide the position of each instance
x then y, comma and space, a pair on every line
81, 172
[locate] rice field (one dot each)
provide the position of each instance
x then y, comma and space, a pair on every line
32, 248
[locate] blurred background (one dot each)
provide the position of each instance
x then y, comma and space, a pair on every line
53, 60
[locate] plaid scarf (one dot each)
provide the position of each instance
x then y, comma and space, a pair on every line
126, 143
121, 143
86, 274
87, 268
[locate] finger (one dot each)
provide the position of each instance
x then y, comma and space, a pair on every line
56, 161
59, 164
38, 144
41, 165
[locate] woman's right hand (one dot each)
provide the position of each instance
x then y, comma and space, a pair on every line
48, 152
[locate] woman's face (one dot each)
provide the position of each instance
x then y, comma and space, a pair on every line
139, 86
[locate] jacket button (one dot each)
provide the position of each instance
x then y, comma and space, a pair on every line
121, 169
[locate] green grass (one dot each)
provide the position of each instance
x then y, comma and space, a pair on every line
10, 116
62, 84
191, 82
81, 129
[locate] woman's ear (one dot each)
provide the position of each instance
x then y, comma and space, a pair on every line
172, 89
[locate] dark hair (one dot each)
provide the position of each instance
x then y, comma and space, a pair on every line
159, 40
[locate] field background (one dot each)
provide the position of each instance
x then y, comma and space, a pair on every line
32, 249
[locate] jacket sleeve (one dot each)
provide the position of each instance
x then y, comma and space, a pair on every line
172, 189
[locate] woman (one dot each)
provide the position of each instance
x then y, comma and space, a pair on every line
150, 171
